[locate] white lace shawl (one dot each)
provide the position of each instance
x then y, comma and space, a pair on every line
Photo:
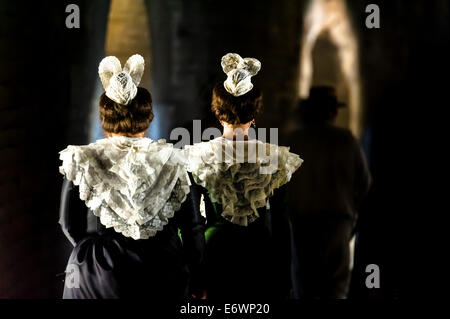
241, 186
132, 184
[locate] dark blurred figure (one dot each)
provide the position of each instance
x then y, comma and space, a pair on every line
324, 198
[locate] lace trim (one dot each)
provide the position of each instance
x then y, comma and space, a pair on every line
241, 187
133, 185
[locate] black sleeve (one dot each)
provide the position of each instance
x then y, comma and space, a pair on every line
281, 236
192, 228
72, 213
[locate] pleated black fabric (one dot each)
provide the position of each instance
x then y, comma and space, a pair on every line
110, 265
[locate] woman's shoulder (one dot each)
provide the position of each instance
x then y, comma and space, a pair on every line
225, 153
133, 185
241, 182
117, 147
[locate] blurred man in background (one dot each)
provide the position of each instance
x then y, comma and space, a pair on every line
324, 198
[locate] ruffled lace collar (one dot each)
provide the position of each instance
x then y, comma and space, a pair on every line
132, 184
241, 175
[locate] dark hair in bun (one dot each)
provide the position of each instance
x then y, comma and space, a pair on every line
127, 119
235, 109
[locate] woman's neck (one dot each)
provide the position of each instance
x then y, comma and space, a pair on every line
141, 134
235, 131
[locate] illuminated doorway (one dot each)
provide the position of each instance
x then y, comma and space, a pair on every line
329, 56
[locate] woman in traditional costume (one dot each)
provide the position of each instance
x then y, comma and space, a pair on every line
124, 200
247, 254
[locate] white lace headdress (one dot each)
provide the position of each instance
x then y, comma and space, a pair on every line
121, 84
239, 72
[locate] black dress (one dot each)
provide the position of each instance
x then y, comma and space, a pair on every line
247, 253
248, 262
106, 264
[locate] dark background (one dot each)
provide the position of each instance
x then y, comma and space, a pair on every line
48, 74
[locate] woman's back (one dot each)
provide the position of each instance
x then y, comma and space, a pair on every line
123, 201
247, 234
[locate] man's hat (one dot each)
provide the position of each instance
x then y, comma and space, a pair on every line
322, 97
